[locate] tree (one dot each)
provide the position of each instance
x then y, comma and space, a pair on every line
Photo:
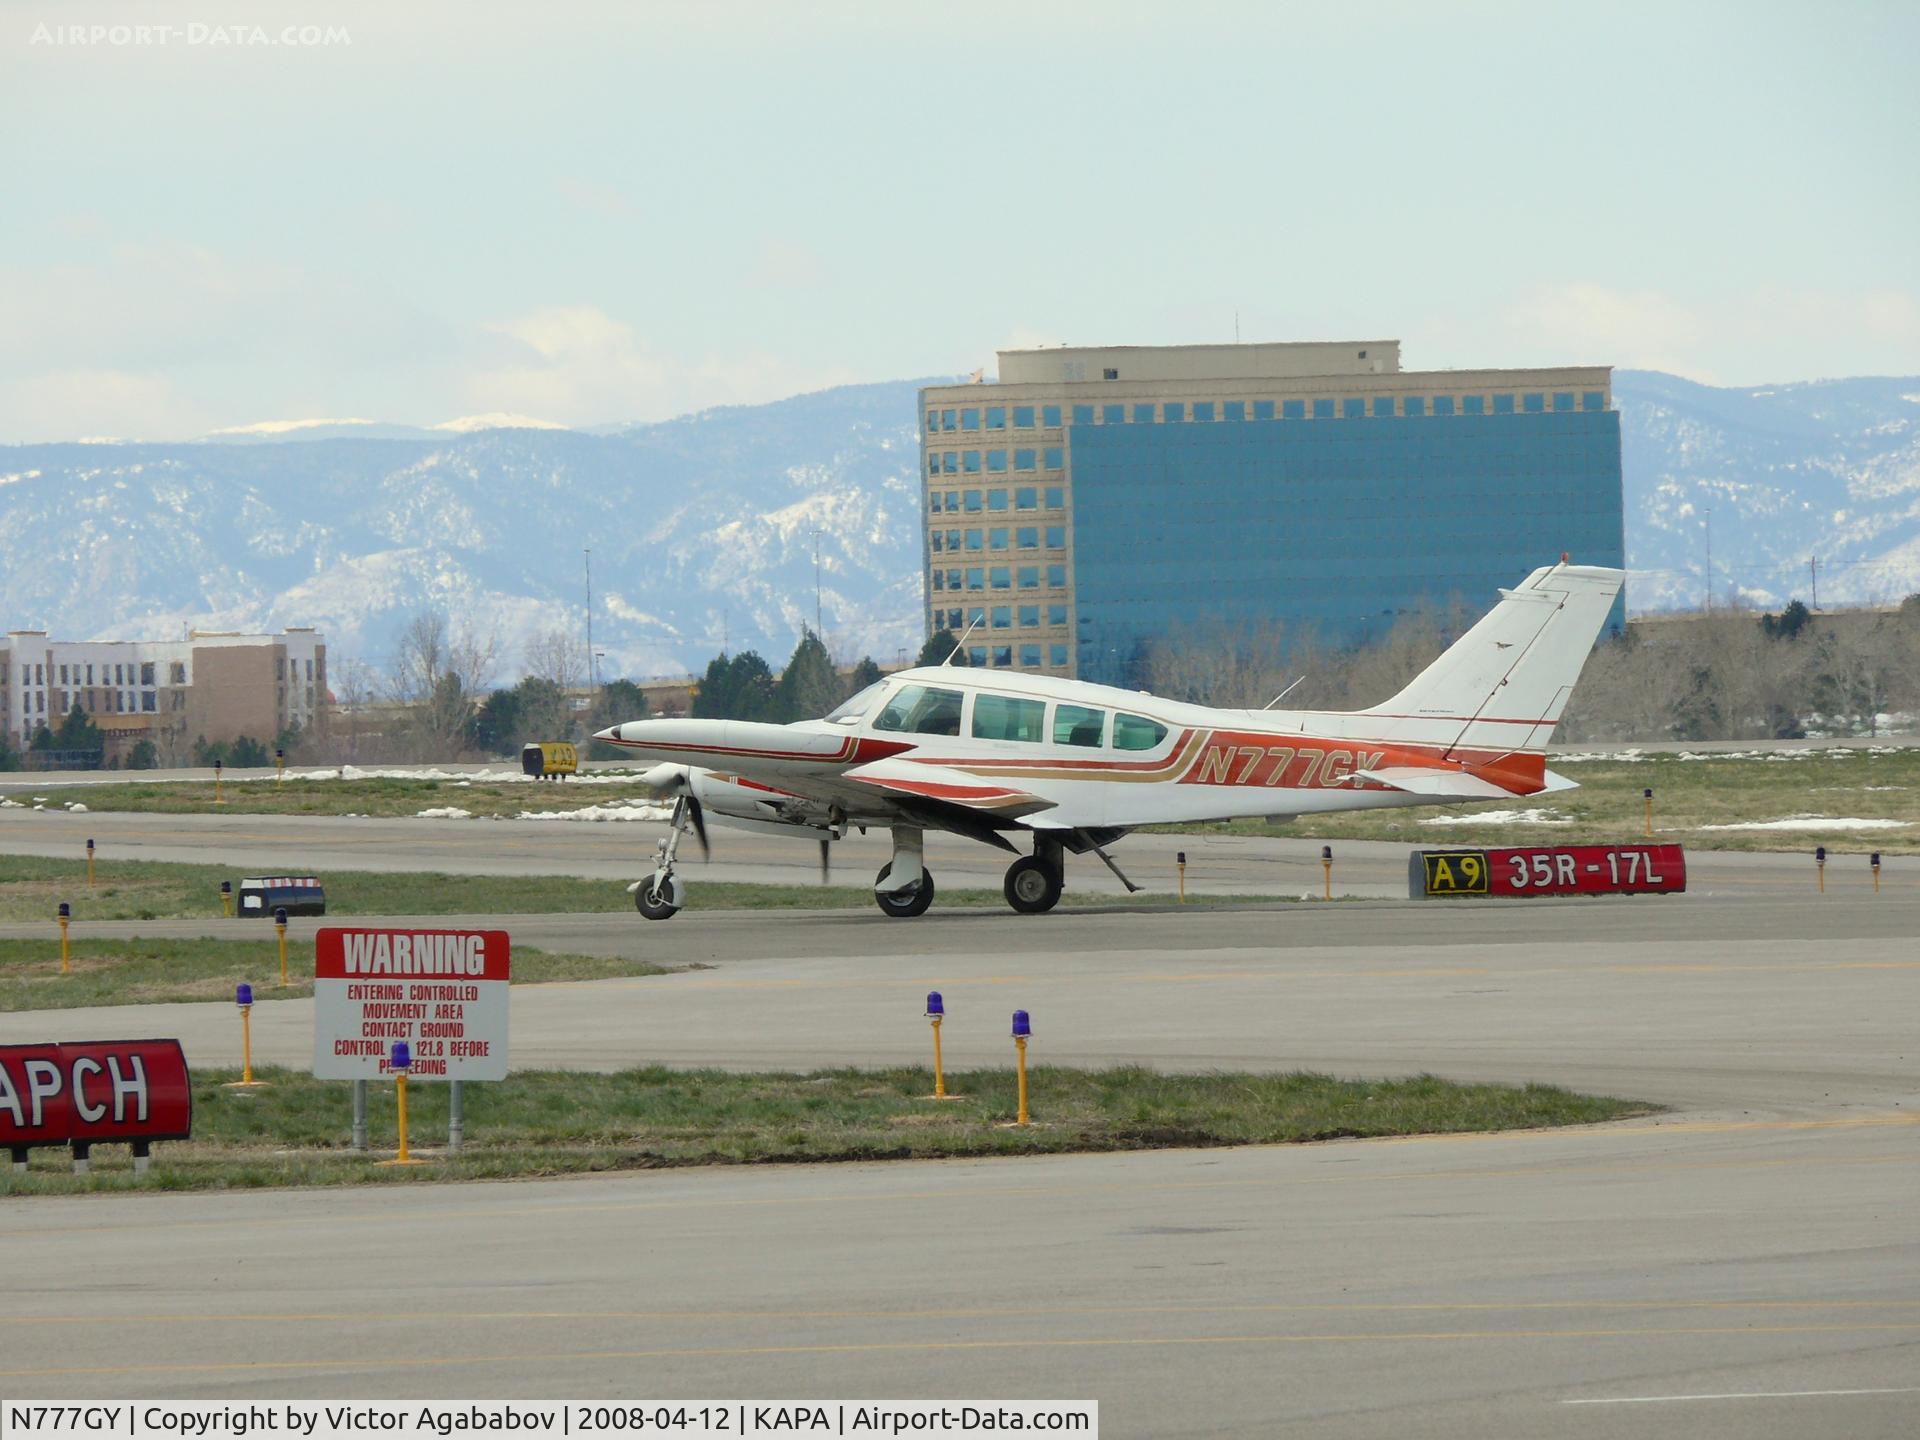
939, 646
439, 671
864, 674
617, 702
77, 732
740, 688
496, 724
248, 753
42, 740
809, 687
545, 711
143, 756
1790, 623
558, 657
9, 757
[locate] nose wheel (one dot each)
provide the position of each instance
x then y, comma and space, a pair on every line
907, 903
1033, 886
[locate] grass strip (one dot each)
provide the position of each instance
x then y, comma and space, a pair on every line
385, 798
545, 1122
32, 887
149, 972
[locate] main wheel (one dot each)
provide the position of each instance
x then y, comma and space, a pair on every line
1033, 886
905, 904
654, 902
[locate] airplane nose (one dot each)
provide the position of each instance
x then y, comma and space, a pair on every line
612, 732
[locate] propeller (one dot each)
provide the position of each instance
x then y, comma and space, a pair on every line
699, 818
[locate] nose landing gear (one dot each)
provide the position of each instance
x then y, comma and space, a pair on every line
659, 896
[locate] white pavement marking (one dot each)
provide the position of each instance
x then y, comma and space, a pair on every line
1742, 1395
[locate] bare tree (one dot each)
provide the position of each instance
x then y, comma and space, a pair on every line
558, 656
439, 672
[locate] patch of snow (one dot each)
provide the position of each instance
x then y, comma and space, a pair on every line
444, 812
1811, 822
495, 420
6, 804
613, 810
1503, 817
282, 427
74, 807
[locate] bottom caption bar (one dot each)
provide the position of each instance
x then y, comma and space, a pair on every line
444, 1420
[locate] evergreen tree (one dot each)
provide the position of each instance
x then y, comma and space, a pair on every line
864, 674
940, 645
617, 702
809, 687
9, 757
42, 740
736, 689
545, 712
496, 725
248, 754
143, 756
77, 732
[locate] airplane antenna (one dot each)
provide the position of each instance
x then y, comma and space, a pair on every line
961, 643
1283, 694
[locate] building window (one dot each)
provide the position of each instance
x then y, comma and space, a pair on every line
1443, 404
1109, 374
953, 619
1023, 417
938, 542
997, 538
1030, 656
953, 580
996, 500
1000, 577
970, 462
933, 419
146, 672
1056, 537
1054, 457
181, 668
939, 579
1050, 417
970, 418
1027, 537
1203, 410
975, 539
953, 502
1002, 617
1263, 409
950, 463
1029, 577
976, 656
1562, 400
996, 417
1473, 404
1323, 409
1113, 414
933, 502
1083, 414
1353, 408
1382, 406
1174, 412
976, 577
1057, 656
933, 463
1414, 405
1294, 410
997, 461
1057, 577
1056, 614
1025, 459
1503, 404
1534, 404
1056, 497
971, 498
1234, 410
63, 674
1003, 656
1026, 498
1029, 617
1595, 400
946, 419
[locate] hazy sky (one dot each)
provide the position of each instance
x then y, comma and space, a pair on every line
600, 212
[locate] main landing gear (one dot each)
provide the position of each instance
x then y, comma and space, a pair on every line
904, 888
1034, 881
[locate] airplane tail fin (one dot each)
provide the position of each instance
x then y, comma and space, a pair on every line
1503, 685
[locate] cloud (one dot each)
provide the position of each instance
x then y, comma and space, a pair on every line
1588, 323
86, 404
579, 365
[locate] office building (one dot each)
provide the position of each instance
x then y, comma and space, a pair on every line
212, 686
1090, 501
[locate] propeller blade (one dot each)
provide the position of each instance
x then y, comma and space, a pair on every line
698, 816
825, 853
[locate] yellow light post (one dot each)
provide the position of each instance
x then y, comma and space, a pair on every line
1820, 866
1180, 864
1876, 872
217, 769
1022, 1031
66, 913
243, 997
89, 864
1647, 794
400, 1062
280, 924
936, 1012
1326, 872
226, 898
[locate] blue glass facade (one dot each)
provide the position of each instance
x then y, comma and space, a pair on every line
1339, 526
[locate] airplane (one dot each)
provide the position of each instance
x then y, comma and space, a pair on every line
1071, 767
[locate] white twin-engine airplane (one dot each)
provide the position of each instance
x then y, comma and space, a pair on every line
989, 754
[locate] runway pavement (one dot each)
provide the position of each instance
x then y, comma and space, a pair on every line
1747, 1264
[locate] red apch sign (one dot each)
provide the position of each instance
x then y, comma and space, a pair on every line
90, 1091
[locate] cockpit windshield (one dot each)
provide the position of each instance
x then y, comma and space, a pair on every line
849, 711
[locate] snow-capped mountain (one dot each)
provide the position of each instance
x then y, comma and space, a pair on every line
1825, 471
703, 528
703, 532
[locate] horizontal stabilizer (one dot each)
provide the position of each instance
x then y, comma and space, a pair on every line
1439, 784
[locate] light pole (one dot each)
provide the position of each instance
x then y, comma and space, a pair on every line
587, 555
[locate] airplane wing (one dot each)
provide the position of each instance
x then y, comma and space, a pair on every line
1458, 784
949, 787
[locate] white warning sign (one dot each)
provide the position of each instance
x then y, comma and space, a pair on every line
444, 992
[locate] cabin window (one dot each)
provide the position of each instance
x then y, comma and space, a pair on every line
850, 710
1003, 717
1136, 732
1078, 725
922, 710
